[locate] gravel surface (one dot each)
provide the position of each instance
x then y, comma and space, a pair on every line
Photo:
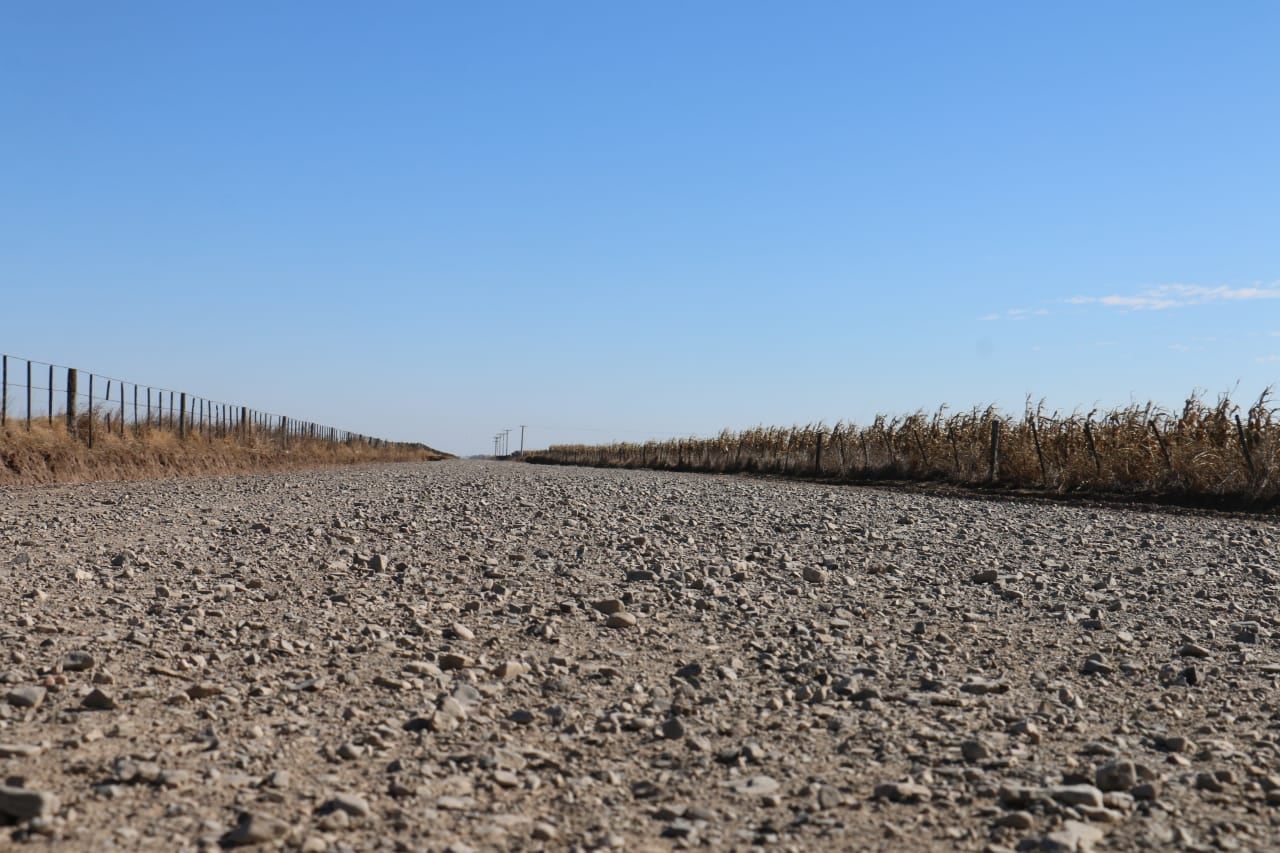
465, 655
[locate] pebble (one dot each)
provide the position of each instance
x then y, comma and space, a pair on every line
758, 786
1072, 837
813, 574
451, 661
353, 804
26, 697
98, 700
19, 803
255, 828
1116, 776
1077, 795
77, 661
621, 620
902, 792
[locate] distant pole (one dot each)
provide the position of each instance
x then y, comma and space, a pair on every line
506, 442
521, 441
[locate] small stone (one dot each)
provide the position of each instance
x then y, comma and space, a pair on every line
505, 779
1116, 776
985, 576
1016, 820
204, 691
543, 831
1072, 837
1192, 650
1146, 791
621, 620
255, 829
98, 700
353, 804
758, 786
1077, 795
828, 797
813, 574
26, 697
379, 563
25, 804
1209, 782
462, 632
350, 751
451, 803
511, 669
450, 661
902, 792
673, 729
77, 661
1176, 743
19, 750
609, 606
974, 751
1097, 665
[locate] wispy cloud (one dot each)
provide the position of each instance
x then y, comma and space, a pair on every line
1163, 296
1268, 359
1015, 314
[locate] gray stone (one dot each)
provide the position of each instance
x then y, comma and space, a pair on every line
621, 620
77, 661
1072, 837
98, 700
255, 828
1116, 776
353, 804
1077, 795
902, 792
24, 804
26, 697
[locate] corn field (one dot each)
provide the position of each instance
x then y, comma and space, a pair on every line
1204, 451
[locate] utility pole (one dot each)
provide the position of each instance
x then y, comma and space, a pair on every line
521, 441
506, 444
495, 447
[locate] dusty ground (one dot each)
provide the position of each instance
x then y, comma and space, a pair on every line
463, 655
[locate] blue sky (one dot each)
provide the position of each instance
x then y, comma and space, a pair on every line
434, 221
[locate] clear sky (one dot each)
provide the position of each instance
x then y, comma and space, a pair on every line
616, 221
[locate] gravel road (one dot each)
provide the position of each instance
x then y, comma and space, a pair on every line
486, 656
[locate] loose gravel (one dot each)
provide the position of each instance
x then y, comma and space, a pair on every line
484, 656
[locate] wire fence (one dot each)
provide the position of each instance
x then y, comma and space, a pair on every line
90, 405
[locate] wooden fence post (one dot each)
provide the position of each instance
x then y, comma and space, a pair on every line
1035, 436
4, 391
1164, 451
90, 411
29, 397
993, 472
1244, 447
137, 428
1093, 448
71, 400
50, 391
182, 415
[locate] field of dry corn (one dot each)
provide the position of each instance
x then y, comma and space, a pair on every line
46, 451
1210, 453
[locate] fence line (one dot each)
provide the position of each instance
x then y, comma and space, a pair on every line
91, 413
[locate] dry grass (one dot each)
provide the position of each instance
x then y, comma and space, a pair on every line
1206, 451
48, 453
